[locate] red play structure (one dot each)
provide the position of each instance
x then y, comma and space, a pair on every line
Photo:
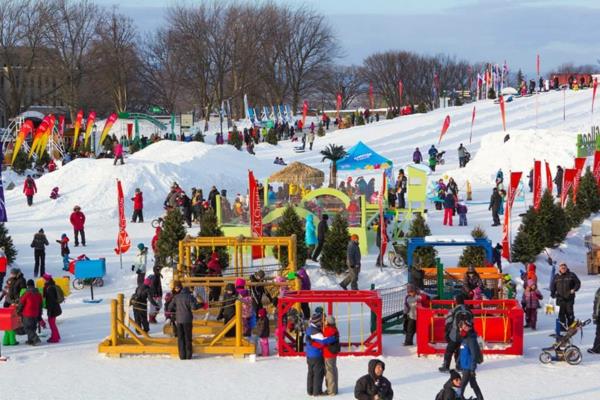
498, 322
290, 343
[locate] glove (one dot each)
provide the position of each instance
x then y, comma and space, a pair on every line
132, 267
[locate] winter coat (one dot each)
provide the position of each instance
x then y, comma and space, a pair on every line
531, 298
3, 262
322, 230
247, 310
469, 348
353, 254
304, 279
449, 391
39, 241
449, 201
213, 265
452, 187
460, 312
182, 305
432, 151
378, 236
77, 220
118, 150
64, 246
212, 198
315, 341
462, 151
370, 385
410, 306
141, 297
29, 187
31, 304
141, 261
51, 295
558, 179
495, 200
310, 237
156, 285
227, 311
401, 184
596, 309
14, 293
311, 137
461, 209
417, 157
138, 201
472, 281
563, 284
330, 332
262, 327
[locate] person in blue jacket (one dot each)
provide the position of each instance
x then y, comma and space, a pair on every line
314, 355
469, 352
310, 235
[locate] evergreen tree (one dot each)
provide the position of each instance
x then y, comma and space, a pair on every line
199, 137
7, 243
422, 108
43, 160
235, 139
526, 246
271, 136
172, 232
474, 255
21, 163
360, 120
520, 78
209, 228
551, 223
573, 213
588, 199
423, 257
321, 130
491, 93
333, 257
289, 225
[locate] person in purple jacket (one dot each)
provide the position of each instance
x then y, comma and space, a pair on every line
417, 157
304, 285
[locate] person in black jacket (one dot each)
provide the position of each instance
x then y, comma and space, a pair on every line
183, 304
401, 186
156, 293
212, 198
322, 230
374, 385
53, 309
257, 292
227, 311
139, 302
39, 244
563, 289
451, 390
558, 180
18, 283
495, 206
353, 262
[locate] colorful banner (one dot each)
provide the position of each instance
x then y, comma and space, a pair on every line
597, 167
112, 118
38, 136
123, 242
515, 178
472, 122
371, 98
579, 164
382, 229
255, 214
548, 177
25, 130
47, 135
400, 90
568, 178
445, 127
77, 127
595, 86
3, 215
537, 184
304, 112
502, 112
88, 127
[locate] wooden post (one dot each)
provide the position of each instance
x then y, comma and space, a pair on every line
120, 313
238, 323
113, 323
292, 258
180, 263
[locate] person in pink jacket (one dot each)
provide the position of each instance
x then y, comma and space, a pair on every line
118, 151
78, 222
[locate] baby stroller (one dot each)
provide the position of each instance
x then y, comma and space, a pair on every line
562, 348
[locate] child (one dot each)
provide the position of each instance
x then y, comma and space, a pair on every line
54, 193
461, 210
531, 300
262, 327
247, 312
410, 313
64, 250
510, 288
227, 311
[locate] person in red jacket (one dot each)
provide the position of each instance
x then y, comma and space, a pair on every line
78, 222
138, 206
51, 166
330, 356
29, 189
30, 309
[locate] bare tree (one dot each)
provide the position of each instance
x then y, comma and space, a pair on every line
347, 81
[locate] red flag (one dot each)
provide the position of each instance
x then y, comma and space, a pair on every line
537, 184
568, 178
400, 90
445, 127
123, 242
579, 164
61, 125
472, 122
595, 86
338, 105
304, 111
502, 112
382, 229
255, 214
537, 65
77, 127
515, 178
371, 99
597, 167
548, 177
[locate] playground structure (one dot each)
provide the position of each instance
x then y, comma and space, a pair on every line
289, 343
392, 310
55, 146
498, 322
126, 337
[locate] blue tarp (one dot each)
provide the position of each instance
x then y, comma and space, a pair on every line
361, 156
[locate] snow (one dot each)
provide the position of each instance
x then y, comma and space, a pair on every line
73, 369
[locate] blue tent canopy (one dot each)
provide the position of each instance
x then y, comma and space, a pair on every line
361, 156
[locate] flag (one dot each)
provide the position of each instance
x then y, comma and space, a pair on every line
255, 214
472, 122
61, 125
382, 228
597, 167
515, 178
445, 127
123, 242
3, 216
77, 127
304, 111
338, 105
37, 137
107, 125
88, 127
502, 112
579, 164
537, 184
568, 178
24, 131
548, 177
400, 90
595, 86
371, 99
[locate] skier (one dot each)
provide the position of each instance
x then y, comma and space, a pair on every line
469, 354
558, 180
353, 264
138, 206
322, 230
39, 244
374, 385
29, 189
563, 288
78, 221
53, 310
494, 206
417, 157
30, 309
118, 152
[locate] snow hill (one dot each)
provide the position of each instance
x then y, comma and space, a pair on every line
73, 367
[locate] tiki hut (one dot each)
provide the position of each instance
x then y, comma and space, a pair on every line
299, 174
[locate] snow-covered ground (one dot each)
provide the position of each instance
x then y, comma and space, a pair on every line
73, 369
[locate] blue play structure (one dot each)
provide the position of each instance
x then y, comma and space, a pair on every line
90, 269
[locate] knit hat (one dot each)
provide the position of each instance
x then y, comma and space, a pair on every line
262, 313
41, 230
330, 320
30, 283
47, 277
243, 292
240, 282
64, 235
454, 375
354, 236
147, 281
317, 319
141, 246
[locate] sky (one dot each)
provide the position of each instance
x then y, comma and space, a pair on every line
475, 30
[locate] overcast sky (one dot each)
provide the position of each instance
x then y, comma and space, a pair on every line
476, 30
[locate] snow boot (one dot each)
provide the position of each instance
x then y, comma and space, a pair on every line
9, 339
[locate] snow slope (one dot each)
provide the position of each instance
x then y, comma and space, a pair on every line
73, 367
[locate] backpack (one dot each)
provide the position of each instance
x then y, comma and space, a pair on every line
60, 295
335, 347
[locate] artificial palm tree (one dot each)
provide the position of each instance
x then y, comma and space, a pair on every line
333, 153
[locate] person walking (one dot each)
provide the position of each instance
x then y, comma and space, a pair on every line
310, 237
39, 243
138, 206
139, 302
29, 189
468, 358
462, 156
53, 309
78, 221
30, 309
141, 263
353, 264
417, 156
494, 206
453, 339
118, 152
183, 304
322, 230
563, 288
374, 385
449, 204
311, 139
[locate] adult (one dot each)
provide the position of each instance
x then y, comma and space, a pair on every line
310, 236
353, 264
497, 256
401, 186
30, 309
53, 309
183, 304
462, 156
417, 156
433, 152
138, 206
118, 152
451, 390
139, 302
257, 292
29, 189
563, 288
18, 284
311, 139
304, 285
330, 353
459, 313
494, 206
449, 205
3, 265
596, 319
212, 198
39, 243
314, 356
452, 187
378, 237
469, 352
322, 230
140, 263
156, 293
78, 221
374, 386
558, 180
